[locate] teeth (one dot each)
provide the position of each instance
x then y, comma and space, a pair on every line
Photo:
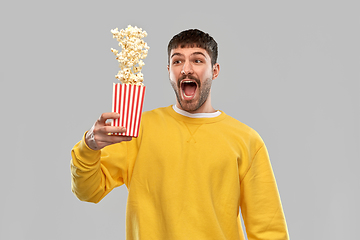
188, 81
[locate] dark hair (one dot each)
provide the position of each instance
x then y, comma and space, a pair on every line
195, 38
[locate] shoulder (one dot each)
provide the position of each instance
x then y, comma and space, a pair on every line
238, 129
155, 113
156, 117
235, 124
156, 122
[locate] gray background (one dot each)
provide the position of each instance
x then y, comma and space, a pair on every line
289, 69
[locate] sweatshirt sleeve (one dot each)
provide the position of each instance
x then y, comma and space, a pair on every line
94, 173
260, 201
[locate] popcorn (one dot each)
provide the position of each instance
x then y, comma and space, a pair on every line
128, 96
133, 50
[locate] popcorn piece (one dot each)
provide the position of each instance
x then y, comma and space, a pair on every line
133, 50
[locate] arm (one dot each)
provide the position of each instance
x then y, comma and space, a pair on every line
260, 201
94, 169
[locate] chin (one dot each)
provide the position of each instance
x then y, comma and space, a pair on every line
190, 106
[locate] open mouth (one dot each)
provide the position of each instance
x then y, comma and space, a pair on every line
188, 89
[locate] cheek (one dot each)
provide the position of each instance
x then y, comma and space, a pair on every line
205, 74
172, 77
203, 71
172, 74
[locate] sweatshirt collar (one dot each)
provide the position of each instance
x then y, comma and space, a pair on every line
195, 115
198, 120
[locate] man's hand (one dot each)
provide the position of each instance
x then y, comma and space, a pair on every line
99, 136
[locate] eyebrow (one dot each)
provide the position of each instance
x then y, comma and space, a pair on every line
194, 53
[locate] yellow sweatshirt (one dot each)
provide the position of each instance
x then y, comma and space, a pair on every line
187, 178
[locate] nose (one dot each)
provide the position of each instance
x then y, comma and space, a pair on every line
187, 69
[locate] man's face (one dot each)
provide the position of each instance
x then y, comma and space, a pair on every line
191, 75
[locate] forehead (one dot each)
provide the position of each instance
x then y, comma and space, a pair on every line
188, 51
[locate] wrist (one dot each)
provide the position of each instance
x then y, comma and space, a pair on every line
89, 140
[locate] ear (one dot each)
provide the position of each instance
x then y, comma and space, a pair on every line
168, 67
216, 70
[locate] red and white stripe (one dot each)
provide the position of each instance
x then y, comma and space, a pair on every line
128, 100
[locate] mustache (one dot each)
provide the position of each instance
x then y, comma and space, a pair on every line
189, 77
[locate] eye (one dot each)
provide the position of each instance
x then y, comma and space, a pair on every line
198, 61
176, 62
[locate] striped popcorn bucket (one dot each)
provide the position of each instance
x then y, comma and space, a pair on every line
128, 100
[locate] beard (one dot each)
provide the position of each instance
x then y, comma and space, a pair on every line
195, 103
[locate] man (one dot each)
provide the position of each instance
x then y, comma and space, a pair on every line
191, 167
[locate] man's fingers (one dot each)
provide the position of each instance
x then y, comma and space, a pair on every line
111, 129
111, 139
102, 133
108, 115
